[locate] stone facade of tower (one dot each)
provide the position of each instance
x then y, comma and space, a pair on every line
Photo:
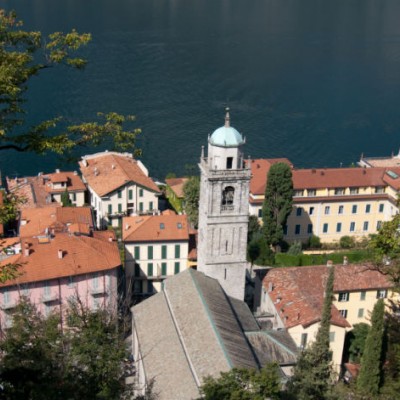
223, 210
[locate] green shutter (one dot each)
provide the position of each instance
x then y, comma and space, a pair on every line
137, 253
150, 269
137, 270
177, 267
119, 208
177, 251
150, 252
163, 252
140, 206
130, 194
163, 269
150, 205
110, 208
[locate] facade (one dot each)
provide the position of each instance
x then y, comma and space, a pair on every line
118, 186
192, 330
174, 191
156, 246
332, 202
223, 210
44, 189
293, 299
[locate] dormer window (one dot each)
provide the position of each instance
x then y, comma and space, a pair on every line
228, 195
162, 226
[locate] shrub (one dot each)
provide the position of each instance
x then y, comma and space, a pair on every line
314, 242
347, 242
295, 248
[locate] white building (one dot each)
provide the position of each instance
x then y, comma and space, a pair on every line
118, 186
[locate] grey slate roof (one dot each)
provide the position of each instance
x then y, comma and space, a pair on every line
244, 315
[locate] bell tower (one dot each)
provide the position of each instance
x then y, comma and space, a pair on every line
224, 210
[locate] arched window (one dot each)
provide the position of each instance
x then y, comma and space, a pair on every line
227, 195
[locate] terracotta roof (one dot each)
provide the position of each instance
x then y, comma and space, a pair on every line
298, 291
259, 172
36, 189
176, 185
106, 173
34, 221
154, 228
1, 203
81, 255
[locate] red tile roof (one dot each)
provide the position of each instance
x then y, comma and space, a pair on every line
176, 185
154, 228
106, 173
298, 291
81, 255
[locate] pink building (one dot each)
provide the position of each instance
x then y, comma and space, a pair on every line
59, 265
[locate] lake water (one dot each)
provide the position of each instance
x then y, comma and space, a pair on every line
315, 81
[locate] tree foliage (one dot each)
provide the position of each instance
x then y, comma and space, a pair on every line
359, 335
313, 373
83, 359
370, 376
65, 200
278, 202
191, 195
25, 54
243, 384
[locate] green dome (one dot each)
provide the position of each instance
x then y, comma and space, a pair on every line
226, 136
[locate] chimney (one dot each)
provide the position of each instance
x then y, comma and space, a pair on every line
127, 227
57, 171
84, 162
329, 263
110, 239
345, 260
75, 173
270, 287
60, 253
26, 250
23, 222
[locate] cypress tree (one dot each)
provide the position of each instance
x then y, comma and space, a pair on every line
313, 372
369, 379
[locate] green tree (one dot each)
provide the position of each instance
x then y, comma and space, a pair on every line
191, 195
253, 227
370, 376
243, 384
278, 202
313, 373
357, 342
65, 200
25, 54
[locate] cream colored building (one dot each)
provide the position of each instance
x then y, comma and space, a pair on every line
332, 202
156, 246
118, 186
293, 299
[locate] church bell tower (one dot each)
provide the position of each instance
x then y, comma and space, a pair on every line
224, 210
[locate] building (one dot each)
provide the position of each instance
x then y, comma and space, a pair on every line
388, 162
44, 189
58, 267
191, 330
174, 191
223, 210
156, 246
293, 299
118, 186
332, 202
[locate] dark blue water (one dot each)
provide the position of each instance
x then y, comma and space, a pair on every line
316, 81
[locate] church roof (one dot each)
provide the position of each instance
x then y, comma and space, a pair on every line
226, 136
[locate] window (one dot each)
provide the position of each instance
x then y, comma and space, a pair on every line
365, 226
150, 288
379, 190
260, 213
310, 228
311, 192
331, 336
378, 225
177, 267
227, 196
95, 281
367, 208
285, 228
339, 191
381, 207
298, 193
162, 226
140, 206
381, 294
140, 192
25, 289
362, 295
163, 269
163, 251
327, 210
73, 196
297, 229
354, 209
353, 190
177, 251
130, 194
303, 342
120, 208
47, 289
137, 253
340, 210
150, 269
179, 225
70, 282
229, 162
150, 205
311, 211
352, 226
298, 211
150, 252
338, 227
344, 296
137, 270
360, 313
6, 296
343, 313
119, 194
325, 228
110, 208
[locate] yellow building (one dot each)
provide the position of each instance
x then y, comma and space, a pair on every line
293, 298
332, 202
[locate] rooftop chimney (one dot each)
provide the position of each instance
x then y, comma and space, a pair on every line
57, 171
26, 250
110, 239
329, 263
345, 260
60, 253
